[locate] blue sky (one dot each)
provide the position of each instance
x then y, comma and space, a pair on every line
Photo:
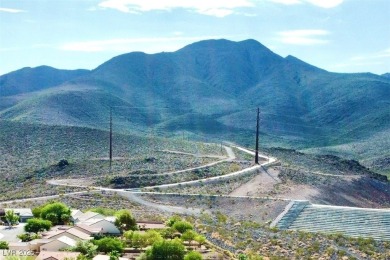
336, 35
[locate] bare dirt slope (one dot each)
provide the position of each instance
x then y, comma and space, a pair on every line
260, 185
343, 190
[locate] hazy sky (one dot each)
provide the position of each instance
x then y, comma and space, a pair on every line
336, 35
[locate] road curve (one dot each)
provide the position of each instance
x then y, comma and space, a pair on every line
221, 177
131, 195
42, 197
171, 209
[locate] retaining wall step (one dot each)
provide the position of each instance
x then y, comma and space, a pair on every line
354, 222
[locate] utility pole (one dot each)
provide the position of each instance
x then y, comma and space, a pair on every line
110, 137
257, 137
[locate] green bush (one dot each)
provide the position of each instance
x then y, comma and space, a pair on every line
26, 237
3, 245
36, 225
182, 226
54, 212
173, 250
86, 248
193, 255
172, 220
189, 236
125, 220
109, 244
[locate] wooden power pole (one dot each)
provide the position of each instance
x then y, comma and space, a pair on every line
257, 137
110, 137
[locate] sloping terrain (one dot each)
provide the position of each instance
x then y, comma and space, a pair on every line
210, 88
372, 152
15, 85
353, 222
30, 154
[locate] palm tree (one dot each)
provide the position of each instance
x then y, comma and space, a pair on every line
11, 217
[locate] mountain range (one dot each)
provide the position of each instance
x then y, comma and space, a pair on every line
209, 89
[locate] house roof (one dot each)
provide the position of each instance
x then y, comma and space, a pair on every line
67, 240
105, 257
57, 255
75, 212
23, 212
90, 229
94, 221
78, 233
110, 218
88, 215
40, 241
55, 231
73, 231
19, 244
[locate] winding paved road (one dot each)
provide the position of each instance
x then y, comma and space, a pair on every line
131, 194
43, 197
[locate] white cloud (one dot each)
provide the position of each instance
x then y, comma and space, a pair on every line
218, 8
358, 64
325, 3
10, 10
384, 54
319, 3
218, 12
131, 44
379, 58
303, 37
287, 2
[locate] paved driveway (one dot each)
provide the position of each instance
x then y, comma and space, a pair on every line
10, 234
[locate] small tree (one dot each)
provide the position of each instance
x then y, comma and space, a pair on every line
3, 245
53, 218
125, 220
193, 255
128, 236
189, 236
173, 250
63, 163
109, 244
152, 237
168, 232
172, 220
36, 225
11, 217
54, 212
200, 239
87, 248
82, 257
37, 211
114, 255
26, 237
65, 218
242, 257
138, 240
182, 226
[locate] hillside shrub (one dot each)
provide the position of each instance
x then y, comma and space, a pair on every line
182, 226
173, 250
193, 255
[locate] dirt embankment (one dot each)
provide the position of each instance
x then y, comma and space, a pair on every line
321, 188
